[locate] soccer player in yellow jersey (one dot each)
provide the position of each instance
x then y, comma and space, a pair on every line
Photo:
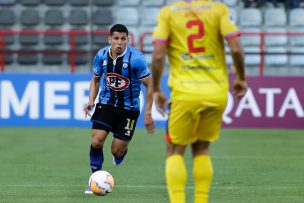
192, 34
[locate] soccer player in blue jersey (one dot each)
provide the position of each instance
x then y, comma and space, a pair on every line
118, 70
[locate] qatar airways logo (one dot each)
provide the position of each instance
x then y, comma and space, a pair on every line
265, 103
117, 82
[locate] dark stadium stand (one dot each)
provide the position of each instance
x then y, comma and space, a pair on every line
27, 56
102, 17
47, 26
103, 2
54, 2
79, 2
81, 39
30, 17
29, 39
9, 58
30, 2
55, 58
54, 17
78, 17
7, 17
7, 2
53, 39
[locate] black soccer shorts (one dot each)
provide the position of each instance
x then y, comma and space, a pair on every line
120, 122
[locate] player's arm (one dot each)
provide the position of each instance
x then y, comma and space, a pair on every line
230, 32
94, 84
93, 92
148, 120
237, 54
158, 61
158, 64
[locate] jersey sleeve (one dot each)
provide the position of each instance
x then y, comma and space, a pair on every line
142, 69
97, 69
227, 26
162, 30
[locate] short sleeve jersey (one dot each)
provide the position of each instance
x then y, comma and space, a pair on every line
120, 78
194, 32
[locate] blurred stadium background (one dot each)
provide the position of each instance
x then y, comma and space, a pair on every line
63, 35
46, 52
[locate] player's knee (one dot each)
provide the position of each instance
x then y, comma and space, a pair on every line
97, 145
97, 142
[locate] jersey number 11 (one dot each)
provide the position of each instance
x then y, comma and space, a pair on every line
130, 124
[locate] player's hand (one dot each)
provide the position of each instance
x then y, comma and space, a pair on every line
161, 103
149, 123
87, 108
240, 88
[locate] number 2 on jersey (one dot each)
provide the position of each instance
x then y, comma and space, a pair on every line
191, 38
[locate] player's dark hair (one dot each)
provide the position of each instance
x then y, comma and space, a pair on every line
119, 28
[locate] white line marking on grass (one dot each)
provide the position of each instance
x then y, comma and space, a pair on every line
164, 186
120, 186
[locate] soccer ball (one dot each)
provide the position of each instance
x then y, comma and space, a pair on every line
101, 182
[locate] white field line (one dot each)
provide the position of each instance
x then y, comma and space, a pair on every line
162, 186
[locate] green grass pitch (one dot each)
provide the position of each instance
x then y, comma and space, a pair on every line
51, 165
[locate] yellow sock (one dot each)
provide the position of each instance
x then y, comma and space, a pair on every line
176, 176
202, 172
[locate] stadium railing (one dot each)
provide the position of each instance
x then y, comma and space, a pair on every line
261, 45
73, 51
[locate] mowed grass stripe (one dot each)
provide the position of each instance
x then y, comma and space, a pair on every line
51, 165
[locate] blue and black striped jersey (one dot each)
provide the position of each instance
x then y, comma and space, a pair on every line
120, 78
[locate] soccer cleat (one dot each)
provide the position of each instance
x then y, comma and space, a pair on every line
88, 191
116, 161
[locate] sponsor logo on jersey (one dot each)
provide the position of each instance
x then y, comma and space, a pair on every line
104, 63
117, 82
191, 57
128, 133
125, 65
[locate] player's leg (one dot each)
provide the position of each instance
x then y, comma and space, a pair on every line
176, 173
179, 135
102, 124
207, 131
202, 171
119, 150
123, 130
96, 150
